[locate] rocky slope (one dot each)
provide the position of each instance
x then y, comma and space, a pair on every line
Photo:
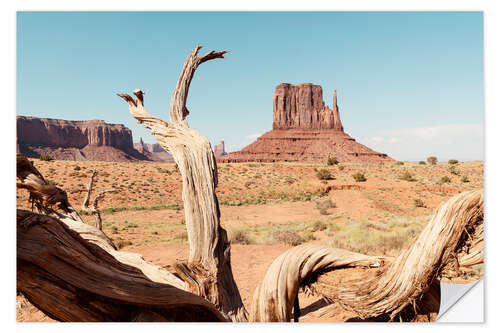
92, 140
305, 129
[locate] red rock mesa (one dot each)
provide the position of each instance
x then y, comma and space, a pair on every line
305, 129
89, 140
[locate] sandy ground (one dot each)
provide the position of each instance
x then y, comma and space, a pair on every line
254, 197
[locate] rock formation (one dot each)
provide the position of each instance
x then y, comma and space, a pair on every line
75, 140
154, 152
220, 150
305, 129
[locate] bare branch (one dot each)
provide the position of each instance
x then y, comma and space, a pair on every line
178, 110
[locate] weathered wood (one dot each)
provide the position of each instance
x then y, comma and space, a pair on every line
71, 279
453, 236
94, 209
49, 199
208, 270
274, 297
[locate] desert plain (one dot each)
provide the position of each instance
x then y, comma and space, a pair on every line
266, 208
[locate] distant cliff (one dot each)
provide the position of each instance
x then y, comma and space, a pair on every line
75, 140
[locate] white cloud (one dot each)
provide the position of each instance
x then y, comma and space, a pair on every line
460, 141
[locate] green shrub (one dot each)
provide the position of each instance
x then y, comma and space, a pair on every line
341, 167
465, 179
422, 163
76, 168
432, 160
359, 177
445, 179
399, 163
418, 203
407, 176
332, 161
453, 161
324, 174
45, 157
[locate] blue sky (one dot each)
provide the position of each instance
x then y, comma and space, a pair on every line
410, 84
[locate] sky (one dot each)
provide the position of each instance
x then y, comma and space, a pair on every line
409, 84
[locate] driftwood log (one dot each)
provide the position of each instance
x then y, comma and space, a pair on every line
73, 272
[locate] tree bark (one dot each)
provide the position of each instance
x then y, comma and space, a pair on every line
385, 288
208, 270
71, 279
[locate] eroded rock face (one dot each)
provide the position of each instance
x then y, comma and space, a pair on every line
220, 150
302, 107
75, 140
305, 129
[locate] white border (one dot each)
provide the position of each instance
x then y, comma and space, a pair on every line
492, 173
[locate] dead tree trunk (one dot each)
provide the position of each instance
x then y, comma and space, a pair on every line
38, 271
94, 209
208, 271
453, 237
71, 279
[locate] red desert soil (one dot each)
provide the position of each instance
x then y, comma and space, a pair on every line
260, 202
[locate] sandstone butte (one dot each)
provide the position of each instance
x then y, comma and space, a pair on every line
305, 129
87, 140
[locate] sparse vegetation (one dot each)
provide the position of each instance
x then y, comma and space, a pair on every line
359, 177
45, 157
418, 203
324, 174
289, 237
445, 179
454, 171
453, 162
407, 176
465, 179
399, 163
332, 161
422, 163
432, 160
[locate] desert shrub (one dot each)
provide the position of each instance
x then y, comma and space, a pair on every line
445, 179
288, 237
432, 160
418, 203
453, 162
332, 161
465, 179
239, 236
319, 226
121, 243
325, 204
399, 163
45, 157
359, 177
323, 174
341, 167
288, 180
76, 168
454, 171
407, 176
114, 229
422, 163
